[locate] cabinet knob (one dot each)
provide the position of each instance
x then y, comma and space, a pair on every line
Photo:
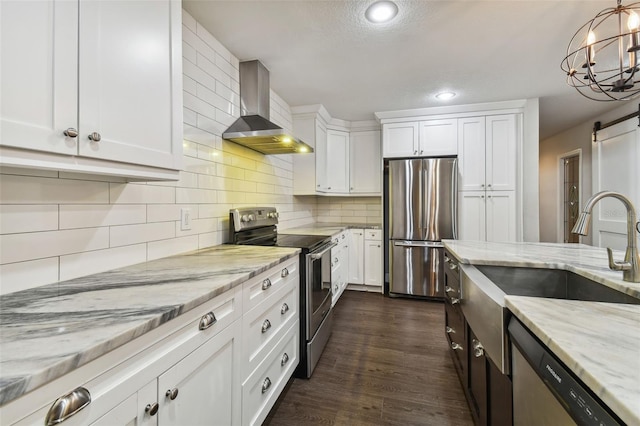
266, 284
421, 151
95, 137
488, 196
266, 385
207, 321
478, 349
284, 309
415, 152
489, 185
455, 301
71, 132
378, 245
284, 360
455, 346
482, 185
351, 188
448, 289
449, 330
151, 409
329, 187
172, 393
266, 325
285, 272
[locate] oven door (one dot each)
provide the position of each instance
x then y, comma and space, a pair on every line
318, 287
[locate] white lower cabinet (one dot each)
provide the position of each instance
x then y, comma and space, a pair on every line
339, 265
356, 257
487, 216
365, 259
209, 366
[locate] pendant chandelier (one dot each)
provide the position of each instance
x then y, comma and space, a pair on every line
602, 58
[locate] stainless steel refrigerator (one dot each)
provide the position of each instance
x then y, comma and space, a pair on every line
422, 210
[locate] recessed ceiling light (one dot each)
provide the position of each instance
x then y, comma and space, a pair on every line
445, 96
381, 11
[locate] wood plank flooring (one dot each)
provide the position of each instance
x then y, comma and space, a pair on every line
386, 363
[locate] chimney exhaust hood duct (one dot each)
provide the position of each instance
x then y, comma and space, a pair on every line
253, 129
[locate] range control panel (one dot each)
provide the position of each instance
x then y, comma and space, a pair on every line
253, 217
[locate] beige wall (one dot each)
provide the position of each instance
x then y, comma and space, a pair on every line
551, 149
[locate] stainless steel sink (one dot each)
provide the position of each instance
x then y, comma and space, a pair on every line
483, 289
552, 283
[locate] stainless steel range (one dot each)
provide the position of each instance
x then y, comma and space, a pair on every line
258, 226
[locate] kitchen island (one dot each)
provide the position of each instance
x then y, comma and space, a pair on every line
599, 342
50, 331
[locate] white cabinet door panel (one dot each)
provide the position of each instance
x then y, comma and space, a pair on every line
471, 153
501, 152
501, 216
126, 81
471, 215
356, 257
365, 167
400, 139
38, 77
373, 263
337, 171
438, 137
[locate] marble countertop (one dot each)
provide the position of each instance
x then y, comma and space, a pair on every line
326, 229
600, 342
95, 314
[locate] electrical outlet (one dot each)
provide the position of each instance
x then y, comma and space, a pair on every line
185, 219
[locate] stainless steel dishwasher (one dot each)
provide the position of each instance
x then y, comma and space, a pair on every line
545, 391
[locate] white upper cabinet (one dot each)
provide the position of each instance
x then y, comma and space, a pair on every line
108, 71
438, 137
313, 132
400, 139
365, 163
487, 153
428, 138
336, 173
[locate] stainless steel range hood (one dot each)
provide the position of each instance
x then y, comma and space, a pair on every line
253, 129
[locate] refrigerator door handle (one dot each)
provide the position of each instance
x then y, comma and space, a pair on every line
429, 244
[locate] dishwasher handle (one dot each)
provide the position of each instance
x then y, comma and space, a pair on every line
320, 254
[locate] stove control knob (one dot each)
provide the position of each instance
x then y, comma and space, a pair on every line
245, 218
252, 217
270, 215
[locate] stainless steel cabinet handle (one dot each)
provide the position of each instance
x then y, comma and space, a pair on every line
71, 132
452, 266
455, 346
344, 236
449, 330
455, 301
448, 289
266, 284
151, 409
335, 259
266, 385
266, 325
284, 360
478, 349
207, 321
172, 393
284, 309
415, 152
95, 137
284, 273
67, 405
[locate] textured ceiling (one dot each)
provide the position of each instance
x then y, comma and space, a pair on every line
326, 52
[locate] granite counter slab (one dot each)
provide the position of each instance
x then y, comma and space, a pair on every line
81, 319
326, 229
599, 342
587, 261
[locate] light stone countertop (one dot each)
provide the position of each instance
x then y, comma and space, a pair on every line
95, 314
599, 342
326, 229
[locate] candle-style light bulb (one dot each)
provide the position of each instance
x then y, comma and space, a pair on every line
591, 49
633, 22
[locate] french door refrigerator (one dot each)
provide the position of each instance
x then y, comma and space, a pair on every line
422, 211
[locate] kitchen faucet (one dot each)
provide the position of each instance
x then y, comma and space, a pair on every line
630, 267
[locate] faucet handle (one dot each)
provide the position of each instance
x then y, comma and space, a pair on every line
617, 266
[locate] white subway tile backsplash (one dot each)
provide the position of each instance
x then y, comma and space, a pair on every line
135, 234
92, 262
134, 193
213, 42
189, 21
208, 66
195, 196
189, 52
196, 74
169, 212
24, 275
19, 218
38, 245
36, 190
88, 216
165, 248
189, 116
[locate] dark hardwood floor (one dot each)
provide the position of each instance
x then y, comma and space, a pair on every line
386, 363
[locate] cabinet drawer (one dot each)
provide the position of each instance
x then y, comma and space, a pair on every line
373, 234
261, 287
261, 390
455, 329
263, 326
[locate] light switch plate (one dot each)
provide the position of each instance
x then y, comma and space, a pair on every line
185, 219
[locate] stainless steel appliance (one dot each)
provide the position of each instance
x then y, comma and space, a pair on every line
545, 392
422, 211
257, 226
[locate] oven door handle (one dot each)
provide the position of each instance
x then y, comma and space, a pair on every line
320, 254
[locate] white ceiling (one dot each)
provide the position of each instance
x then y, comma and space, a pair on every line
326, 52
